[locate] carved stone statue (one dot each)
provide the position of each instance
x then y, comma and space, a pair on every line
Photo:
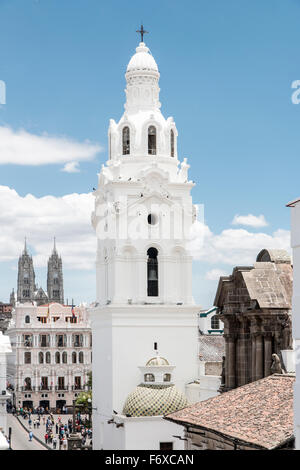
287, 340
276, 365
223, 371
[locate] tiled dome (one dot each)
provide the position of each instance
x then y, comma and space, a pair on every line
154, 400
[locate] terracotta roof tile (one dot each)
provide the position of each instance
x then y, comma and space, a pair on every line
259, 413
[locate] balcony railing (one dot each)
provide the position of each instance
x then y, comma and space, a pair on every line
45, 388
62, 388
77, 387
27, 388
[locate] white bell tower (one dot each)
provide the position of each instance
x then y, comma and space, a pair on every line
143, 216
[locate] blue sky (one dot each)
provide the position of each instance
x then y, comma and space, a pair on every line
226, 73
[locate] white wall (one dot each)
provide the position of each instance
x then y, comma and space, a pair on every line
295, 242
207, 387
152, 431
121, 348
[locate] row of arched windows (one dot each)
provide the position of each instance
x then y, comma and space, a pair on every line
152, 145
61, 357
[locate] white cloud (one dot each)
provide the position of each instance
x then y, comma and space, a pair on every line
234, 246
69, 219
215, 274
22, 148
250, 220
40, 219
71, 167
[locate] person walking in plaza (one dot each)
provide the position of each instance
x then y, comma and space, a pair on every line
30, 435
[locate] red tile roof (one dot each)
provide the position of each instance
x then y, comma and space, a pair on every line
259, 413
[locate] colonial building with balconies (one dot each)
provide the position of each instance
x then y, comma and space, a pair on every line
51, 356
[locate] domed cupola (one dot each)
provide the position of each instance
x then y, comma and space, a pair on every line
142, 75
156, 395
142, 130
142, 61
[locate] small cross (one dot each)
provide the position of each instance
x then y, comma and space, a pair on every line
142, 31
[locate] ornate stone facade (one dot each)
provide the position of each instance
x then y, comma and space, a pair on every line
51, 356
55, 285
28, 291
255, 305
26, 277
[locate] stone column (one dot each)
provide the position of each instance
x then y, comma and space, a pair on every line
253, 357
268, 353
231, 362
226, 361
259, 357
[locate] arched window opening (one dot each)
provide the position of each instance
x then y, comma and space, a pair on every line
81, 357
74, 357
57, 357
172, 143
48, 357
27, 319
27, 383
64, 357
149, 378
152, 272
215, 323
41, 358
27, 358
152, 219
126, 140
151, 140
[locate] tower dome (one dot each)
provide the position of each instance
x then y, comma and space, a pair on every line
142, 60
154, 400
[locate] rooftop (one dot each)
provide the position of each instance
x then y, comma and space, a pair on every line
259, 413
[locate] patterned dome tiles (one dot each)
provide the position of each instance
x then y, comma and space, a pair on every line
154, 400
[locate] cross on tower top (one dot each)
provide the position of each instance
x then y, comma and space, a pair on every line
142, 31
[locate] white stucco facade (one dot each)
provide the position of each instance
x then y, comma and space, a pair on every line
295, 243
143, 216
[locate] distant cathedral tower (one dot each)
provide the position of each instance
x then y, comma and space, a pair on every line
26, 277
55, 285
